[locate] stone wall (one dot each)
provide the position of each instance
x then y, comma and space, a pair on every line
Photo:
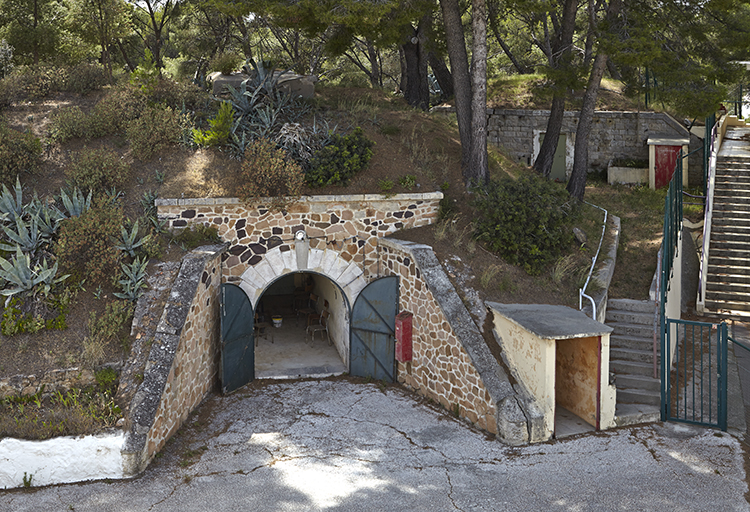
451, 362
613, 135
348, 224
53, 380
183, 363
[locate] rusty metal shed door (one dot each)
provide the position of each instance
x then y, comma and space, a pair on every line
237, 366
372, 341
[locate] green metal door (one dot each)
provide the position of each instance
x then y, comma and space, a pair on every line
372, 350
237, 366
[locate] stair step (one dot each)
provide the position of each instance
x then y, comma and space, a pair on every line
726, 192
726, 233
735, 206
638, 396
649, 383
722, 305
737, 262
628, 354
630, 317
640, 306
729, 279
631, 367
636, 414
727, 254
729, 245
632, 342
720, 268
728, 286
628, 329
723, 218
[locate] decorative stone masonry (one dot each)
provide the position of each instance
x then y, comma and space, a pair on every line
184, 360
347, 224
451, 362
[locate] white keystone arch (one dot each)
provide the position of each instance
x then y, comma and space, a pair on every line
347, 274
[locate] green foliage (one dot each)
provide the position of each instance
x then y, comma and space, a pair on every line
197, 235
113, 112
129, 242
225, 63
83, 247
68, 123
76, 204
108, 327
156, 129
386, 185
146, 75
338, 162
266, 172
408, 181
106, 379
15, 321
19, 153
134, 280
524, 220
6, 58
25, 277
83, 78
10, 206
27, 236
98, 169
220, 128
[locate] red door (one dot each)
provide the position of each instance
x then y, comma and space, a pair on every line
666, 160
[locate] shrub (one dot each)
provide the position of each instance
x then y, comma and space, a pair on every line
113, 112
19, 153
36, 82
178, 95
266, 172
110, 325
68, 123
98, 169
6, 58
220, 128
225, 63
84, 247
338, 162
524, 220
156, 129
83, 78
197, 235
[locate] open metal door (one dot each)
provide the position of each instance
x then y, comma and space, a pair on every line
237, 349
372, 335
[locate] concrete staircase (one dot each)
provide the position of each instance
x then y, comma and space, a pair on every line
631, 360
728, 280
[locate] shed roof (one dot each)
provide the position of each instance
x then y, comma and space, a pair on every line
551, 322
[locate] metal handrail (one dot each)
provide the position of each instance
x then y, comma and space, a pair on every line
708, 214
582, 291
739, 344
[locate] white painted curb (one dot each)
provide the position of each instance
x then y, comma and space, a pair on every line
61, 460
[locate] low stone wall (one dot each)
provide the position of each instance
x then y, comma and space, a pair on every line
183, 363
451, 362
613, 135
53, 380
349, 224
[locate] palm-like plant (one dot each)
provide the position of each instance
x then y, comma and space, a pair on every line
24, 278
26, 236
12, 207
75, 204
129, 242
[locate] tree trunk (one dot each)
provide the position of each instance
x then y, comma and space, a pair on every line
522, 70
543, 162
477, 172
559, 56
577, 183
125, 57
414, 86
454, 36
442, 75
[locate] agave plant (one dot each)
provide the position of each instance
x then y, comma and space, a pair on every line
75, 204
134, 281
48, 217
129, 242
12, 207
23, 278
27, 236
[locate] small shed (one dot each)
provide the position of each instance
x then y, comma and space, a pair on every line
561, 356
663, 151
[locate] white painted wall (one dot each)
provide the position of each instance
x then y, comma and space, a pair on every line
338, 322
61, 460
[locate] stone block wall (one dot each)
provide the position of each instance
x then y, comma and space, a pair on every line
350, 224
53, 380
451, 362
613, 135
183, 363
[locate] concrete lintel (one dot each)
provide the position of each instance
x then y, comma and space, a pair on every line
551, 322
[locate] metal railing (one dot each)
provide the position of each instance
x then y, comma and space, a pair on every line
712, 153
582, 291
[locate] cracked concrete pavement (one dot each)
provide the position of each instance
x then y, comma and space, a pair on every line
338, 444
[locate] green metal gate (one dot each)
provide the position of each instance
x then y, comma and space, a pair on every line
694, 373
372, 351
237, 366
